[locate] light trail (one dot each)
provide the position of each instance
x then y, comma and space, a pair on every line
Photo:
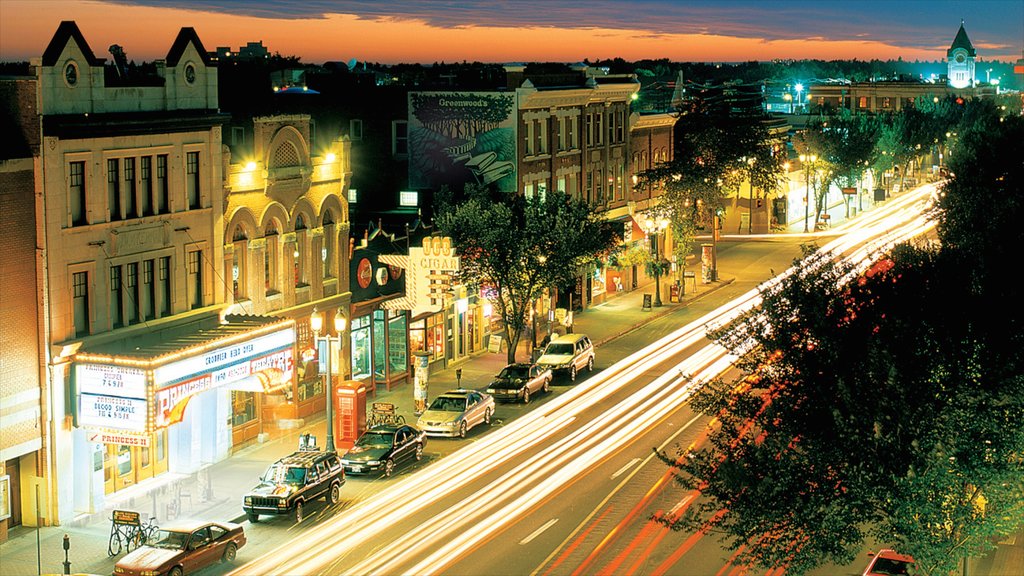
556, 462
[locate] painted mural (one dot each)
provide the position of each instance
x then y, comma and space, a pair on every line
460, 137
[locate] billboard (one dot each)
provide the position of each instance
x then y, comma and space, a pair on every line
461, 137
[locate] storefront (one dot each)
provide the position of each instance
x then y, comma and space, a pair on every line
159, 402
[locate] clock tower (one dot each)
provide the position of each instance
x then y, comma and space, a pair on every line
960, 59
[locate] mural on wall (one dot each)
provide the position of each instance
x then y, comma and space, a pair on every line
460, 137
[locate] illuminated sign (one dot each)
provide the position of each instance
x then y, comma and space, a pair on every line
111, 380
119, 438
101, 411
408, 198
222, 358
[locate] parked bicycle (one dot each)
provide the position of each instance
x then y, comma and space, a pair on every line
382, 413
128, 533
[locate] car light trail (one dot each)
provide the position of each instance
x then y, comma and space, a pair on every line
454, 532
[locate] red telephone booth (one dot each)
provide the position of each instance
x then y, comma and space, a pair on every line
350, 413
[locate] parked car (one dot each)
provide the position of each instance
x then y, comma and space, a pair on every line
382, 447
293, 481
568, 354
519, 381
183, 549
889, 562
455, 412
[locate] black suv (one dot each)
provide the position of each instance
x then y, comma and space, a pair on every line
293, 481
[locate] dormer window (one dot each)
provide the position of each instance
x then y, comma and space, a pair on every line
71, 73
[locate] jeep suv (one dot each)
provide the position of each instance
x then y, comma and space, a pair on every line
293, 481
568, 354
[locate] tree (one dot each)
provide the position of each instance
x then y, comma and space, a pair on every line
519, 246
889, 407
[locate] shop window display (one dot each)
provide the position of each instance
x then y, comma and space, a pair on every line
398, 358
361, 348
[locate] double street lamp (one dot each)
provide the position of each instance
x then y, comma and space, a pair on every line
654, 227
316, 322
807, 160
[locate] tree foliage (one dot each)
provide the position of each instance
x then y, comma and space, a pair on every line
518, 246
890, 407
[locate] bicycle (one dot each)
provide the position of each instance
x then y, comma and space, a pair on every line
143, 534
383, 413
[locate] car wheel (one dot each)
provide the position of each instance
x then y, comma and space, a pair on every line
547, 385
526, 395
419, 452
462, 429
253, 517
389, 468
334, 495
487, 416
299, 515
230, 552
176, 571
572, 373
590, 364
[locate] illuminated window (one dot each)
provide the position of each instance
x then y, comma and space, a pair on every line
76, 193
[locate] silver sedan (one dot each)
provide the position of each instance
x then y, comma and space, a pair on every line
455, 412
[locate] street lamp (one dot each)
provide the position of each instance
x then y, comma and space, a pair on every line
654, 227
316, 322
799, 89
807, 160
750, 209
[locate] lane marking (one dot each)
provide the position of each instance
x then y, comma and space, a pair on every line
628, 465
538, 531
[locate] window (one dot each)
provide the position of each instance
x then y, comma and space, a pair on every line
149, 289
399, 137
574, 137
192, 179
573, 184
862, 102
360, 348
542, 189
165, 286
598, 186
327, 251
243, 407
300, 252
598, 126
560, 185
80, 291
113, 189
129, 188
271, 258
398, 361
195, 279
620, 126
116, 298
161, 184
563, 133
379, 349
237, 136
76, 193
146, 191
355, 129
239, 265
134, 310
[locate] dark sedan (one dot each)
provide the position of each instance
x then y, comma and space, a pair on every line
183, 549
520, 381
380, 448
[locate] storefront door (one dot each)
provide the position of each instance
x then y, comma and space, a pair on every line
125, 466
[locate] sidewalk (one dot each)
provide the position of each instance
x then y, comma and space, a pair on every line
215, 492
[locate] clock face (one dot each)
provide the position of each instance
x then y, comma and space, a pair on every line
71, 73
190, 73
960, 58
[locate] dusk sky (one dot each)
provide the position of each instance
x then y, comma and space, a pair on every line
426, 31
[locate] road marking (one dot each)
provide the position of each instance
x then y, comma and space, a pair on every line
626, 467
680, 504
538, 531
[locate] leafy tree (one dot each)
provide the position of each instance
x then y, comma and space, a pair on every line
889, 407
519, 246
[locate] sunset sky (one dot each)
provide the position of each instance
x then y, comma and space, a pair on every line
426, 31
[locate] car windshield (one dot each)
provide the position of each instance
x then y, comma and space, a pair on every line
555, 348
279, 474
376, 439
889, 566
448, 404
168, 539
513, 372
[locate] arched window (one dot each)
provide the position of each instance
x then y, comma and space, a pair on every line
240, 264
301, 266
328, 251
271, 259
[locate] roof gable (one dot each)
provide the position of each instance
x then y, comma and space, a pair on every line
961, 41
185, 36
66, 32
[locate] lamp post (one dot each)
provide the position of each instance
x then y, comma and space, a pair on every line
807, 160
799, 89
750, 176
654, 227
316, 323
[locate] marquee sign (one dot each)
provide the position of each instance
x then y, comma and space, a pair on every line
116, 412
430, 268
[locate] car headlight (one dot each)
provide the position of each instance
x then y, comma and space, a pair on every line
450, 424
248, 500
490, 390
373, 463
282, 503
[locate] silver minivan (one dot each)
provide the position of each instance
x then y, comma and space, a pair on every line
568, 354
